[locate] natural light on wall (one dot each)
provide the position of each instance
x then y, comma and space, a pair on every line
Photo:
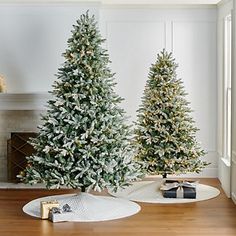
227, 87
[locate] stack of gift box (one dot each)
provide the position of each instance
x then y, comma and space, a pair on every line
51, 210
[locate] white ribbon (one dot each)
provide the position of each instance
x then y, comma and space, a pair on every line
179, 186
180, 192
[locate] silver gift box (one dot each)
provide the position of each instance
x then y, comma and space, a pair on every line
60, 217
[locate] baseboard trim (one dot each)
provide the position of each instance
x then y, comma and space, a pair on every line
224, 175
234, 157
233, 197
206, 173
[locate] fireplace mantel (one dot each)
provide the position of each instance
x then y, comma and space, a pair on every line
24, 101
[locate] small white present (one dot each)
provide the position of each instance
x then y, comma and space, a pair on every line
57, 214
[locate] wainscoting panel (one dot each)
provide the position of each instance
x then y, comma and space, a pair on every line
131, 56
135, 36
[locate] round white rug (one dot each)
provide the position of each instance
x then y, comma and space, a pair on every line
87, 207
148, 191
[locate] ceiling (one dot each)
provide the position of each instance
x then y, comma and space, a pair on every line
126, 2
163, 2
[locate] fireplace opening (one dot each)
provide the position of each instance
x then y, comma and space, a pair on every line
18, 148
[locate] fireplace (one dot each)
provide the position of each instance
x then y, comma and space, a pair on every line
19, 113
18, 148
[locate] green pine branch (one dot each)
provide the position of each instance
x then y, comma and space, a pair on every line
166, 132
84, 141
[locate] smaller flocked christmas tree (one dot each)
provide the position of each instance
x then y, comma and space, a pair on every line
165, 131
83, 141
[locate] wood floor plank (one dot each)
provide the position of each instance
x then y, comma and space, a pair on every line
206, 218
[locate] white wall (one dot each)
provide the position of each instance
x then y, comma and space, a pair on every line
135, 36
224, 9
32, 39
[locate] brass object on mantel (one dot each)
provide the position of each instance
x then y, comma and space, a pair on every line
3, 87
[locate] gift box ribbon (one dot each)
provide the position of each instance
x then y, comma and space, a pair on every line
179, 186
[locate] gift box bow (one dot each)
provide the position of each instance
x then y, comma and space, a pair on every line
179, 186
57, 210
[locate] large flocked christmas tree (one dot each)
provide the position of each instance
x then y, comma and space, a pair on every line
83, 141
165, 131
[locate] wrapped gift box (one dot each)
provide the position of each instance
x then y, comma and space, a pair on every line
57, 214
60, 217
179, 189
46, 206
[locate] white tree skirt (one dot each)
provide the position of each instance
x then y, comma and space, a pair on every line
148, 191
88, 207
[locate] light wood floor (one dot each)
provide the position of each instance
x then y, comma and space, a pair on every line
212, 217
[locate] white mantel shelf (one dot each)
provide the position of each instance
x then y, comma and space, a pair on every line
24, 101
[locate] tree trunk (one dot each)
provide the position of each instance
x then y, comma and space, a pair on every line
164, 176
83, 189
